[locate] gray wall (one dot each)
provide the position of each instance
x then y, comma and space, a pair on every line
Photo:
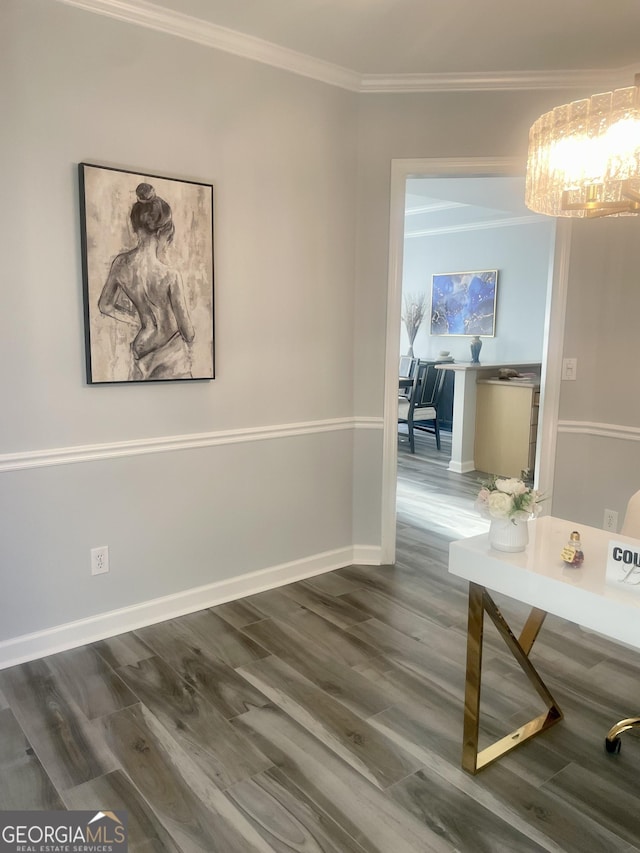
280, 151
598, 452
521, 255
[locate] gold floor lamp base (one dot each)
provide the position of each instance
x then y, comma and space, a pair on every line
480, 602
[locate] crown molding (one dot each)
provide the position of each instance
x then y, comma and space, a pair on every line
476, 226
497, 81
434, 208
146, 14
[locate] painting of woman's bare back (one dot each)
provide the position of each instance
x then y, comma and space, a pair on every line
147, 252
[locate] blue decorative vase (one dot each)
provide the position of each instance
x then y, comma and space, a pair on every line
476, 346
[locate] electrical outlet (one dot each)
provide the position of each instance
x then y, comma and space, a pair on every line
100, 560
610, 522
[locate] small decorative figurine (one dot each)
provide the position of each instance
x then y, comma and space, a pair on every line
572, 553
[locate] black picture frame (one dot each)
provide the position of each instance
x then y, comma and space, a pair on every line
148, 276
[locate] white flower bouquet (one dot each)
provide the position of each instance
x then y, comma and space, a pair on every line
508, 498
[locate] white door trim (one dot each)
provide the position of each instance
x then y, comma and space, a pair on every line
554, 326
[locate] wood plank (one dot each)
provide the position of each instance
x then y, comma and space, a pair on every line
339, 681
198, 817
115, 791
335, 643
287, 819
618, 811
611, 678
70, 747
24, 783
93, 684
204, 734
582, 740
338, 728
443, 687
122, 650
376, 822
458, 818
414, 654
274, 604
217, 682
570, 829
335, 610
391, 613
207, 634
238, 613
413, 595
331, 584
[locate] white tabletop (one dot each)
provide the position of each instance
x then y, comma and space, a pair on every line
539, 577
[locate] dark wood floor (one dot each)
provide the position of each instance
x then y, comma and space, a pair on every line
326, 716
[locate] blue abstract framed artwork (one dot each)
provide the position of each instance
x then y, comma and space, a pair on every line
464, 303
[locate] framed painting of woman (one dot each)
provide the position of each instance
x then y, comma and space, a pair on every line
147, 258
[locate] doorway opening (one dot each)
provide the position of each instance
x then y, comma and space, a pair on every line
449, 216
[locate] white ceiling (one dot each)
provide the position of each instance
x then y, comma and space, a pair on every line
436, 36
436, 206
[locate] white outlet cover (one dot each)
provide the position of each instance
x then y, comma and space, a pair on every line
100, 560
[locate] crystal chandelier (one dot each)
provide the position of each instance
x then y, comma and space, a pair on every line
584, 157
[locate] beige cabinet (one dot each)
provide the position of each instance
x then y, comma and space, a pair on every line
506, 426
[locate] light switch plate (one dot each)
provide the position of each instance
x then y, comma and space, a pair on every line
569, 368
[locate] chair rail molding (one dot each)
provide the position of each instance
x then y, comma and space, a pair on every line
600, 430
165, 444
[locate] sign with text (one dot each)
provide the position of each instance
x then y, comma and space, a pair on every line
623, 565
63, 832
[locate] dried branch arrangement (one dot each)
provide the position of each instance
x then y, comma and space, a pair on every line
414, 309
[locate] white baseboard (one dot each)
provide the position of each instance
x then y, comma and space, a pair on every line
461, 467
367, 555
59, 638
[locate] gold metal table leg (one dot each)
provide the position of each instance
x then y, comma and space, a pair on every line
479, 602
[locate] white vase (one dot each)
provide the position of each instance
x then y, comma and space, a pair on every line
508, 535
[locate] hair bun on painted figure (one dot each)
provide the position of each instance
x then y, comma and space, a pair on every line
145, 192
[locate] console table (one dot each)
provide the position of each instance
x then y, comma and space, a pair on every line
539, 578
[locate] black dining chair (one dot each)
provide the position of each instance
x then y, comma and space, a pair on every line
407, 373
420, 411
407, 366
